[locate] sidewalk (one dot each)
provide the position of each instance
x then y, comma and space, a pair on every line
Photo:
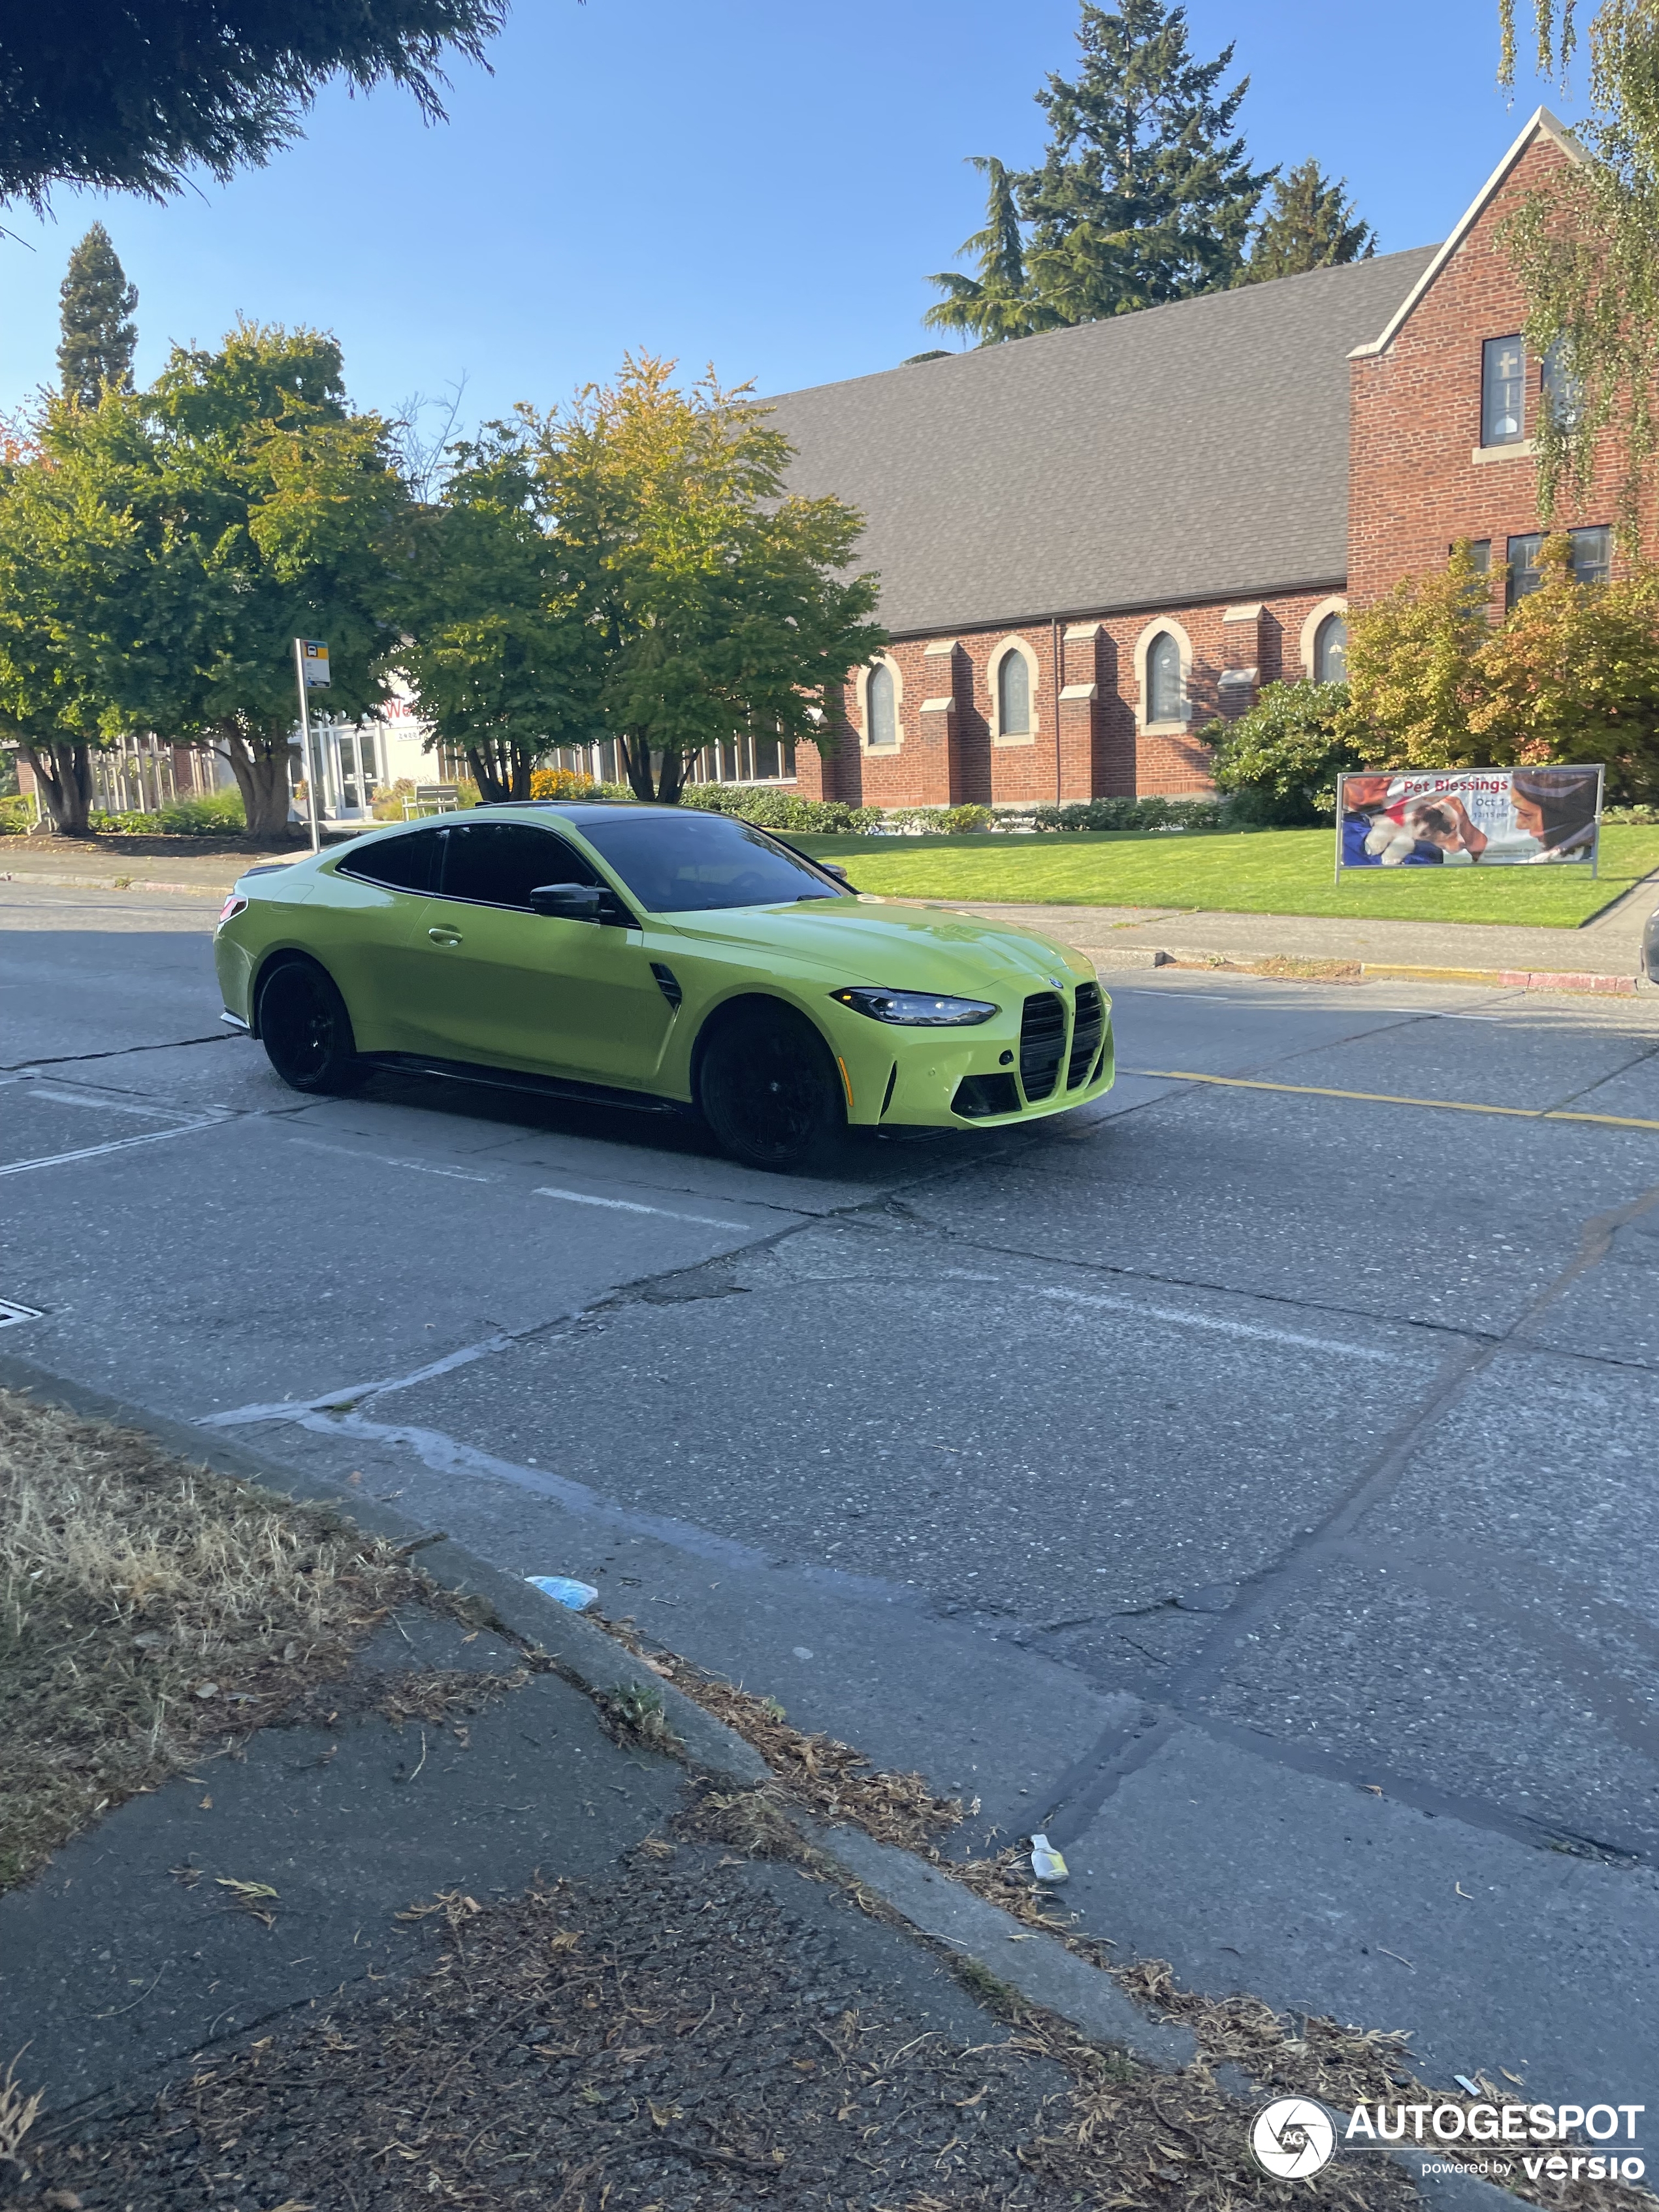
1608, 947
105, 865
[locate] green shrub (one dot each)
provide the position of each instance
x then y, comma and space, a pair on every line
1097, 814
1278, 761
942, 821
16, 816
124, 825
770, 808
221, 816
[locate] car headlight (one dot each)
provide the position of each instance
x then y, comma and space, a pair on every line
915, 1009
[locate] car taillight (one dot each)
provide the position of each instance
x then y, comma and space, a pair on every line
232, 907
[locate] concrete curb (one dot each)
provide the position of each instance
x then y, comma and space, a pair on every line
1108, 958
1038, 1967
110, 883
1504, 979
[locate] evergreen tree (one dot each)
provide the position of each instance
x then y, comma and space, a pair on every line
126, 95
1145, 194
96, 318
1311, 225
998, 303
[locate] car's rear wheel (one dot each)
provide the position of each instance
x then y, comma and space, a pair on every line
770, 1091
307, 1031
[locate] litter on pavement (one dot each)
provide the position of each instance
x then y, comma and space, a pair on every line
1046, 1864
564, 1590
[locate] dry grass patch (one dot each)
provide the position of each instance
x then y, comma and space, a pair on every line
148, 1608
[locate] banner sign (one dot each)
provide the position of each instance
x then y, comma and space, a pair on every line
1464, 818
313, 660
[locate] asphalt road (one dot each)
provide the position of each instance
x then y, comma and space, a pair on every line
1257, 1484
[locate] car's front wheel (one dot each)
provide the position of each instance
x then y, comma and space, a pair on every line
770, 1091
307, 1031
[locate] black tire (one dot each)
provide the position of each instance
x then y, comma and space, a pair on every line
770, 1091
307, 1031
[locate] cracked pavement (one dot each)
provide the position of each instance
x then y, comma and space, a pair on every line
1257, 1487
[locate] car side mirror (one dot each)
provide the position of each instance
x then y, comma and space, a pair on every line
830, 868
568, 901
579, 903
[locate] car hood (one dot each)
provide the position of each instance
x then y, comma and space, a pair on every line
906, 948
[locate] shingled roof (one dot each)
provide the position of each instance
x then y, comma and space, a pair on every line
1194, 452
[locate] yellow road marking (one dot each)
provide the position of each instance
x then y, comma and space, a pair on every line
1388, 1098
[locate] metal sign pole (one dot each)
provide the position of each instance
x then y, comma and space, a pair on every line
305, 744
1336, 873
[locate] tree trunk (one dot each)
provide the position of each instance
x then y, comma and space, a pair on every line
261, 774
64, 774
501, 769
671, 779
661, 782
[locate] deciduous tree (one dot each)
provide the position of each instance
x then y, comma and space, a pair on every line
722, 601
1413, 679
503, 649
1573, 675
274, 507
72, 562
1586, 244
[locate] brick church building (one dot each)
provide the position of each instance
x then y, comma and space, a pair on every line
1095, 542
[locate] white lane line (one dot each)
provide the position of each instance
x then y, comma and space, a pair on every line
118, 1145
627, 1205
103, 1101
1223, 1327
385, 1160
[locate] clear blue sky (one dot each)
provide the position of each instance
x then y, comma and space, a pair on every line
763, 184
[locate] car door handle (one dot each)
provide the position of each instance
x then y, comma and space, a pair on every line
444, 936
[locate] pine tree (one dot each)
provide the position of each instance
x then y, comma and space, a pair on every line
99, 335
1146, 193
1311, 225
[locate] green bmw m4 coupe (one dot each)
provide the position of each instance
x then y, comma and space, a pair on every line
656, 955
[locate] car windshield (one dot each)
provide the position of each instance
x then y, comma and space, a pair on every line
687, 863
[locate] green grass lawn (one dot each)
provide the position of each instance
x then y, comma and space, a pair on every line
1255, 872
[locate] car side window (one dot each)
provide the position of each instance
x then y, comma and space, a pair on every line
500, 863
401, 864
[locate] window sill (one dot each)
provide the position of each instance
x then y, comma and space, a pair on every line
1179, 729
1523, 449
882, 752
1025, 738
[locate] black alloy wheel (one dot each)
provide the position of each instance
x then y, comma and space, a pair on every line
307, 1031
771, 1093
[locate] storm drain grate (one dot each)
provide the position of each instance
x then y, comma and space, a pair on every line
10, 1311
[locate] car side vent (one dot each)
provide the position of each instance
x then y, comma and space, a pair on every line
1041, 1043
668, 983
1088, 1027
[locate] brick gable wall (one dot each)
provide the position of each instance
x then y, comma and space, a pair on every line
1414, 488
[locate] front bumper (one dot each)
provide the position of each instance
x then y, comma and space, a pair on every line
915, 1079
